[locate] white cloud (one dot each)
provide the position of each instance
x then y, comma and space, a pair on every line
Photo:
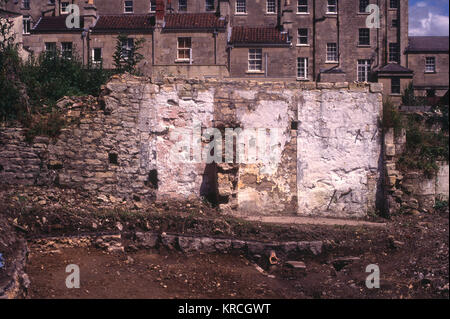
426, 20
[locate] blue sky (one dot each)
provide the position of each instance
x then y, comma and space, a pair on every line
428, 17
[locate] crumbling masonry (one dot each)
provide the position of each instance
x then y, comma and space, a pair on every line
122, 147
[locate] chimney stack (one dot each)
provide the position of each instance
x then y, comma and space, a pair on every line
90, 14
160, 12
286, 15
224, 8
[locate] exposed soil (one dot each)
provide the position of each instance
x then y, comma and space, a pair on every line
411, 252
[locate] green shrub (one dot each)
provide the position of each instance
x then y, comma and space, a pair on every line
29, 90
46, 125
52, 76
440, 204
127, 61
408, 97
423, 148
391, 115
10, 93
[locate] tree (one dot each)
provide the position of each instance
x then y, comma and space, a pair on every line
7, 35
126, 56
11, 89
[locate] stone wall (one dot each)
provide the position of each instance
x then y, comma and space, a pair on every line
411, 190
325, 160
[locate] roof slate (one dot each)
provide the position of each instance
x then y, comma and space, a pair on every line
194, 21
394, 68
124, 22
258, 35
428, 44
53, 24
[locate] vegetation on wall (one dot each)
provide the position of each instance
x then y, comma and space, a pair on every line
30, 89
126, 58
391, 115
427, 138
408, 97
424, 147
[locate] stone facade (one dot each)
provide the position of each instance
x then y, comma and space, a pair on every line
214, 53
433, 83
325, 159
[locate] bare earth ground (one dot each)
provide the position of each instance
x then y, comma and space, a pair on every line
411, 252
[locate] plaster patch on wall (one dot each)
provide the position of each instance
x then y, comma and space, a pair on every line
338, 149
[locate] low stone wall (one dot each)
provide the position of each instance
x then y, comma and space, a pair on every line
325, 160
412, 190
119, 243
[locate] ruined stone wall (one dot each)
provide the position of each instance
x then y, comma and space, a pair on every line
411, 190
325, 160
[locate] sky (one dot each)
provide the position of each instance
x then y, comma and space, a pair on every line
428, 17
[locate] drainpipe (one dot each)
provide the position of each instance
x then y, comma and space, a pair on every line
386, 46
399, 33
153, 48
279, 25
83, 36
378, 41
314, 39
338, 35
266, 58
88, 42
215, 33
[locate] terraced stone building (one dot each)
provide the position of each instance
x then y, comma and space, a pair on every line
304, 40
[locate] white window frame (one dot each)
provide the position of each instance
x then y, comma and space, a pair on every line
302, 63
64, 50
430, 67
393, 2
363, 68
269, 5
127, 7
329, 49
46, 47
127, 45
359, 6
241, 7
209, 7
359, 36
255, 55
93, 56
184, 7
396, 78
330, 5
63, 9
302, 6
184, 48
26, 4
26, 25
152, 4
390, 55
299, 37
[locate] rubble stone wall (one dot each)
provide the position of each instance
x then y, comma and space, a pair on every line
410, 190
127, 145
